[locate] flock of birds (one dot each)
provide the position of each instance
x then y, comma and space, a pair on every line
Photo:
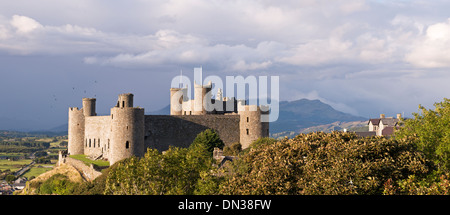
55, 99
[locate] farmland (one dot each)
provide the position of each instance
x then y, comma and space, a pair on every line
19, 149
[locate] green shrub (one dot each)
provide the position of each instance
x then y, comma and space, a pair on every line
56, 184
325, 163
232, 150
174, 172
431, 132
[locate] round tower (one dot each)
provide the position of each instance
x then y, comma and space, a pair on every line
250, 125
125, 100
76, 131
201, 92
127, 133
176, 104
89, 107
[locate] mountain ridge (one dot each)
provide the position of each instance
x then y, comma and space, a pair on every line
303, 113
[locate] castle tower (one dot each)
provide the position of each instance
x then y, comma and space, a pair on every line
89, 107
176, 105
76, 131
251, 127
125, 100
201, 93
127, 130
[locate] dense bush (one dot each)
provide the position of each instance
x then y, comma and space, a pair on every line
321, 163
232, 150
177, 171
56, 184
431, 132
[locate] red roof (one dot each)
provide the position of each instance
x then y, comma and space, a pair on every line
387, 131
374, 121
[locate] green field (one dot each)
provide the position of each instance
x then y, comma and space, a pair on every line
13, 165
10, 155
87, 161
17, 145
37, 169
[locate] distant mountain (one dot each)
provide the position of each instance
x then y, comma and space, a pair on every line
164, 111
304, 113
298, 115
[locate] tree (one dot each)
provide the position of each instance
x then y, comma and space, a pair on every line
431, 132
10, 178
177, 171
63, 143
208, 138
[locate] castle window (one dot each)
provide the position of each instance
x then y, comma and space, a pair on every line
247, 131
247, 119
86, 142
89, 143
127, 145
94, 143
123, 103
127, 127
98, 142
108, 143
112, 116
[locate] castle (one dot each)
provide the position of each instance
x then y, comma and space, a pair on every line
127, 131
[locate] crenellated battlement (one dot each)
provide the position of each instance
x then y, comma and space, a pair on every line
75, 109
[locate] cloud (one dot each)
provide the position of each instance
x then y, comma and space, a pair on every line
242, 36
244, 66
432, 50
24, 24
24, 35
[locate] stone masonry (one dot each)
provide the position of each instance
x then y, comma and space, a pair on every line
127, 131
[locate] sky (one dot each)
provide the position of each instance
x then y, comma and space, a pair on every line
361, 57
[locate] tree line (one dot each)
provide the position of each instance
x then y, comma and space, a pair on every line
23, 146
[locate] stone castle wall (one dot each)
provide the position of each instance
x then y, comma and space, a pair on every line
164, 130
88, 172
97, 136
